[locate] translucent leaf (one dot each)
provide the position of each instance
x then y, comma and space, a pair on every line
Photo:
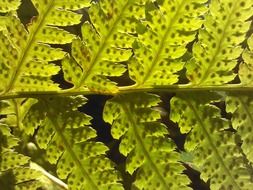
9, 160
31, 185
21, 178
24, 174
149, 153
246, 68
72, 71
106, 43
214, 149
13, 174
71, 4
27, 51
7, 140
170, 29
17, 109
215, 54
9, 5
60, 17
67, 137
54, 35
241, 108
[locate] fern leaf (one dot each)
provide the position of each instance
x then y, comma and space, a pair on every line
170, 29
241, 105
9, 5
15, 111
144, 143
65, 134
9, 159
216, 52
246, 68
13, 172
213, 146
26, 52
241, 108
107, 41
8, 141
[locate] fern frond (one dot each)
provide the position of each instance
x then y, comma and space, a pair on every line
26, 52
216, 154
241, 108
246, 68
107, 41
215, 54
15, 111
144, 142
65, 134
241, 105
9, 5
170, 29
14, 170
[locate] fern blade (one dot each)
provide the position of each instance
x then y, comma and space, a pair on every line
214, 56
13, 172
144, 143
67, 138
7, 6
170, 29
242, 120
222, 163
245, 68
106, 43
240, 105
33, 45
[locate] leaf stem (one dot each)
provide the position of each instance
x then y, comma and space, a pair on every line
131, 89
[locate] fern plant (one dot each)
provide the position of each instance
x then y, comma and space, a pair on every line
196, 53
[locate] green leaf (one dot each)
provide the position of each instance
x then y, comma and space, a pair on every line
67, 137
215, 54
144, 142
107, 42
170, 29
241, 108
21, 178
27, 51
13, 173
9, 5
240, 105
15, 112
10, 159
7, 140
216, 154
152, 46
246, 68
